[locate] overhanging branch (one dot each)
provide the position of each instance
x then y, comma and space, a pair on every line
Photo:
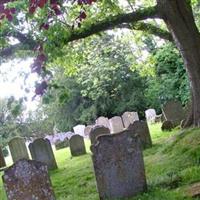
113, 22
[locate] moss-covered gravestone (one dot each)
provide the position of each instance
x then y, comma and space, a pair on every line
118, 166
18, 149
28, 180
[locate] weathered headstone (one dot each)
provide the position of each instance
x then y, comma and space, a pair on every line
28, 180
77, 145
118, 165
41, 150
87, 130
18, 149
167, 126
173, 111
129, 117
97, 131
116, 124
62, 144
103, 121
150, 115
2, 160
79, 130
141, 129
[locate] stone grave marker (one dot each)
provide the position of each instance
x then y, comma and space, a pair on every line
174, 112
2, 159
118, 165
62, 144
41, 150
18, 149
103, 121
116, 124
79, 130
150, 115
77, 145
97, 131
28, 180
129, 117
87, 130
141, 129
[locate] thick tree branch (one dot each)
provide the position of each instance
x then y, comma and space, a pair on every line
113, 22
151, 29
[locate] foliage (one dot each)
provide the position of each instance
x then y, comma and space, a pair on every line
170, 80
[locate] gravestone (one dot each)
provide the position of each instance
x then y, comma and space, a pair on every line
79, 130
116, 124
77, 145
118, 165
141, 129
150, 115
62, 144
97, 131
173, 111
28, 180
87, 130
18, 149
41, 150
167, 126
129, 117
103, 121
2, 160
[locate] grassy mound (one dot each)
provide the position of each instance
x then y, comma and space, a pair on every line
172, 164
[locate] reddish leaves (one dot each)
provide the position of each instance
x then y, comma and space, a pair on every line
6, 13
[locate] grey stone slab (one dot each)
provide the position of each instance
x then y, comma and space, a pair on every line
41, 150
141, 129
18, 148
103, 121
28, 180
129, 117
97, 131
174, 112
119, 166
77, 145
116, 124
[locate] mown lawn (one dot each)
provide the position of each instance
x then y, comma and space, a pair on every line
171, 165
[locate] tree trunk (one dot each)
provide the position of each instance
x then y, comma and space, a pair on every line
178, 16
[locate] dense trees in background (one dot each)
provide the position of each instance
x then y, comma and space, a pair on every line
82, 70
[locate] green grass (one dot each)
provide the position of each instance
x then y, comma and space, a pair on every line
171, 165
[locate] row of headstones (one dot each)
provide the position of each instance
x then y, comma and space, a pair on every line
118, 166
173, 114
115, 124
41, 150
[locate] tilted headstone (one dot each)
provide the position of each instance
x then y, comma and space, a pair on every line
77, 145
62, 144
2, 159
141, 129
116, 124
79, 130
41, 150
18, 149
118, 165
97, 131
150, 115
103, 121
129, 117
87, 130
28, 180
173, 111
